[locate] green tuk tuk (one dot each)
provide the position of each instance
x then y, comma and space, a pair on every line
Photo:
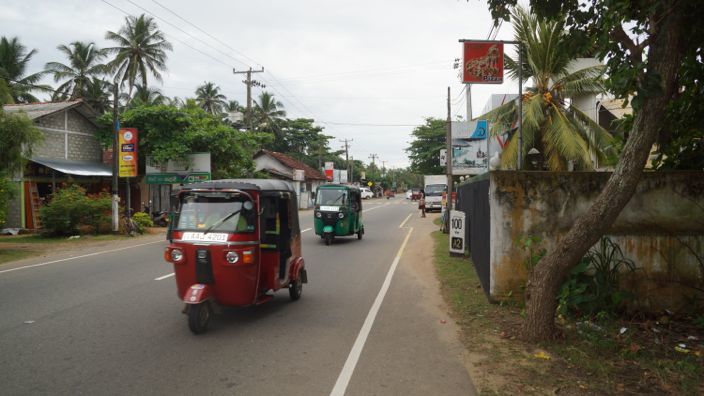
338, 212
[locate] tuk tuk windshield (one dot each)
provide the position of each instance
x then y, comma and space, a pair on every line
331, 197
215, 213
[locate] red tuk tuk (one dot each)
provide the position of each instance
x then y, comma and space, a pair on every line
232, 242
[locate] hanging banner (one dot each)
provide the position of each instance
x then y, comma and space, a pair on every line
483, 62
127, 159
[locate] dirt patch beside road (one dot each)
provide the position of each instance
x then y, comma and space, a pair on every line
21, 247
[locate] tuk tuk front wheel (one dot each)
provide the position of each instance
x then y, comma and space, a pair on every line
199, 317
328, 239
295, 289
360, 233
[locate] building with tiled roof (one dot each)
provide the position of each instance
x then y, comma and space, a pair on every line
281, 166
69, 152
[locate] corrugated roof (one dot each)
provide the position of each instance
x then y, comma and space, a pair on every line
292, 163
78, 168
38, 110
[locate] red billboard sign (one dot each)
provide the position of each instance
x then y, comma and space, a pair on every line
483, 62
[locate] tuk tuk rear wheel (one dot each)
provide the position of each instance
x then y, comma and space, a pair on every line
199, 317
295, 289
360, 233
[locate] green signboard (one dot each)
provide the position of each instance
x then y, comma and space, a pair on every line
174, 178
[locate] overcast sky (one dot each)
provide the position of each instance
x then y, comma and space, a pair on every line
367, 70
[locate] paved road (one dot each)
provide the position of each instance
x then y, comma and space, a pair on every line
104, 324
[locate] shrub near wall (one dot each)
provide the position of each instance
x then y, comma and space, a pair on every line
70, 208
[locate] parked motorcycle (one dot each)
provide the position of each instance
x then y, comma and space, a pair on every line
160, 218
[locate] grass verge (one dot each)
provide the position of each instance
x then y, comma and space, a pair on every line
590, 358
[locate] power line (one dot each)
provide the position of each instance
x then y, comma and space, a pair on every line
206, 33
185, 32
175, 38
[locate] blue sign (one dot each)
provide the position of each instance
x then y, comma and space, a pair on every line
480, 130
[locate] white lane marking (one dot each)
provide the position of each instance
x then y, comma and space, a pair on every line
376, 207
346, 374
404, 222
77, 257
307, 229
165, 276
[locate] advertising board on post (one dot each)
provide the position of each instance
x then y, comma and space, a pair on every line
470, 147
195, 167
329, 168
483, 62
127, 159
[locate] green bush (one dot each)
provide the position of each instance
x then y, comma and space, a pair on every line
593, 285
71, 208
143, 221
7, 191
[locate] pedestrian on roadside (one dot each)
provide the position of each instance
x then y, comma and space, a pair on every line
421, 203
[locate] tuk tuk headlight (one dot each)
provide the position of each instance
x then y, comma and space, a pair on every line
340, 215
318, 214
176, 255
232, 257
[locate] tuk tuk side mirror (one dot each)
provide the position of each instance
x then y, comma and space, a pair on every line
248, 205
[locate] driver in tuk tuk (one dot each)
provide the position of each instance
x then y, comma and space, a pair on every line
217, 212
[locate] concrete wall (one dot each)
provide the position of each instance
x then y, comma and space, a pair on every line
661, 229
68, 135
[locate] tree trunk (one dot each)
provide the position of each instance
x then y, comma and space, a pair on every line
544, 283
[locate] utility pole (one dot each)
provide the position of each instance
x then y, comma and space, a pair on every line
249, 82
373, 157
115, 131
347, 154
448, 142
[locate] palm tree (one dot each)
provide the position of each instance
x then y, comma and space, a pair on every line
210, 99
97, 95
84, 62
175, 102
561, 133
233, 106
145, 96
267, 112
140, 51
13, 64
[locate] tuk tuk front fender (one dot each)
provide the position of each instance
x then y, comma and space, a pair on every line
197, 293
328, 229
298, 269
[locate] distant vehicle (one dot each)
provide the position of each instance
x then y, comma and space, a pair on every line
413, 194
366, 193
434, 186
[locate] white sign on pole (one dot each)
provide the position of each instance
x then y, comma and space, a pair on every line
457, 233
443, 157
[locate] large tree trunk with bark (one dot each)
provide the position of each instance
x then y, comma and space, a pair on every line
544, 283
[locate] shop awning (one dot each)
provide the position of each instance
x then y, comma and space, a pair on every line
78, 168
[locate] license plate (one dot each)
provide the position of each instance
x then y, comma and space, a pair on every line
330, 208
209, 237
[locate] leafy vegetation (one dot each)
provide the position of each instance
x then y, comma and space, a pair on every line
606, 355
142, 220
593, 286
561, 133
70, 208
424, 151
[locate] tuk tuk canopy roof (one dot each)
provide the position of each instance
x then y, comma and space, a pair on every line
242, 184
339, 186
